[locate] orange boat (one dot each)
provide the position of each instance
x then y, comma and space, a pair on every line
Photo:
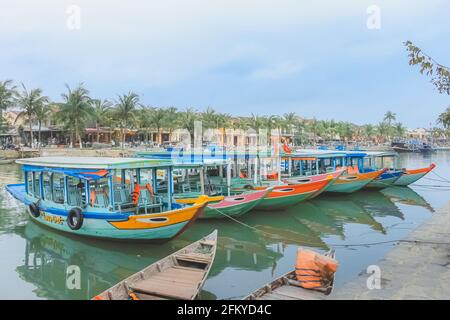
290, 194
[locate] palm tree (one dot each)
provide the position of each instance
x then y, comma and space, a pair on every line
369, 130
75, 112
171, 120
124, 112
389, 117
187, 120
7, 94
101, 111
224, 122
256, 123
42, 112
157, 119
31, 102
444, 118
383, 130
399, 130
290, 121
210, 118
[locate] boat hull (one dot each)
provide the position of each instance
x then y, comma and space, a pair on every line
286, 195
354, 182
411, 176
304, 179
385, 180
158, 227
232, 206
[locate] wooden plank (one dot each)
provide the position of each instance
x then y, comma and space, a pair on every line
274, 296
188, 268
175, 291
299, 293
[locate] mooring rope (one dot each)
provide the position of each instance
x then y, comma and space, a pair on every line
336, 244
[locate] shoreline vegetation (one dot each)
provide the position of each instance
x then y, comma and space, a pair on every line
126, 119
129, 120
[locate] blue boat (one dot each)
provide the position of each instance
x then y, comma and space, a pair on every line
110, 198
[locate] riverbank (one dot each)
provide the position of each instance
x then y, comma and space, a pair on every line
64, 152
418, 268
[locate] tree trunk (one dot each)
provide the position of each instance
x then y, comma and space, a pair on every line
98, 132
123, 138
31, 131
39, 135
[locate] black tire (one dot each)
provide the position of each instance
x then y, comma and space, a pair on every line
75, 219
34, 210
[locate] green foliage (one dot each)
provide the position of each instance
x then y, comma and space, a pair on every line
440, 74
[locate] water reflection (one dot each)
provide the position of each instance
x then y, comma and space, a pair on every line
251, 254
407, 196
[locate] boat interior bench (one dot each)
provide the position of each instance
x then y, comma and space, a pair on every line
173, 283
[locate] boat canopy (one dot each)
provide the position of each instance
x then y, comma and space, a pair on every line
382, 153
77, 173
99, 163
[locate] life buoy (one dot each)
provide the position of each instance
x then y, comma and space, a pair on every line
75, 219
34, 210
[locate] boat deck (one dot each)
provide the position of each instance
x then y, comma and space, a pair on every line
289, 292
175, 282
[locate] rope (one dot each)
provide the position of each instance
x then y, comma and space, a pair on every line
336, 244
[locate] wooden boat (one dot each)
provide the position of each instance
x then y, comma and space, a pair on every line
410, 176
385, 180
97, 197
233, 206
305, 179
354, 181
287, 287
285, 195
180, 275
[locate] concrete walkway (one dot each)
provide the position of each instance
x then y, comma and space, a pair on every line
412, 270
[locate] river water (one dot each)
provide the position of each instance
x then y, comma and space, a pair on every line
34, 260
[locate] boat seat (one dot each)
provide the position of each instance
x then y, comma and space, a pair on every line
185, 187
101, 200
75, 197
122, 197
171, 283
147, 202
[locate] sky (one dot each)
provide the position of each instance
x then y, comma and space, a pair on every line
342, 60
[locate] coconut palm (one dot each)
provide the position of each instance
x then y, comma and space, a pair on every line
7, 94
157, 120
101, 113
187, 120
124, 112
42, 113
444, 119
31, 102
399, 130
389, 117
75, 112
210, 118
171, 119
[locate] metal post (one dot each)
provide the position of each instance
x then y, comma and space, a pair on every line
202, 181
255, 177
111, 190
169, 187
229, 178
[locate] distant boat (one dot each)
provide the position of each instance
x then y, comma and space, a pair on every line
180, 275
412, 146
